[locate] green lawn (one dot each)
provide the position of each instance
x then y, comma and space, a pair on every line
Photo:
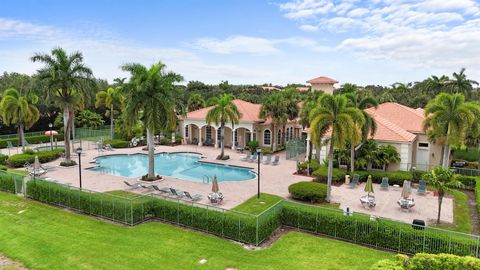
461, 216
256, 206
44, 237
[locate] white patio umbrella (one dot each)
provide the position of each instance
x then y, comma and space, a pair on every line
36, 165
215, 187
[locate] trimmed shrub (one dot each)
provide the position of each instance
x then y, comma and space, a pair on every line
117, 143
424, 261
308, 191
32, 140
468, 182
312, 165
7, 182
19, 160
3, 159
321, 175
394, 178
28, 151
68, 163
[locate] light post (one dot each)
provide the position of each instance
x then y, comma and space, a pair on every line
50, 125
259, 153
79, 153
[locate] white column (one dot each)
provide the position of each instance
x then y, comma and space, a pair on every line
233, 139
308, 146
215, 138
200, 142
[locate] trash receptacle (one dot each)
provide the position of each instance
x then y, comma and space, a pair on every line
347, 179
418, 224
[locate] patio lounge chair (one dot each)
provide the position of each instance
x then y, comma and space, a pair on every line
247, 157
108, 147
134, 185
384, 184
253, 157
163, 190
354, 182
194, 141
268, 159
276, 161
422, 187
177, 193
208, 142
194, 198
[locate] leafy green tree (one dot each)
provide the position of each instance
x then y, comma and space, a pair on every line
332, 114
442, 179
19, 111
460, 83
368, 154
223, 111
272, 108
151, 98
195, 102
369, 126
88, 118
387, 154
434, 85
68, 81
290, 101
448, 119
114, 100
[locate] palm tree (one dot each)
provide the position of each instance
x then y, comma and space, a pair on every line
68, 82
290, 99
448, 119
369, 154
19, 110
332, 114
460, 83
369, 126
435, 84
151, 98
272, 108
223, 111
442, 179
388, 154
308, 105
112, 98
195, 102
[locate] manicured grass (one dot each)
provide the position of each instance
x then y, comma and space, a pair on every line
256, 206
44, 237
461, 215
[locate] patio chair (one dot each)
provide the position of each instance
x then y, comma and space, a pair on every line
247, 157
177, 193
196, 197
276, 161
253, 157
422, 187
354, 182
134, 185
194, 141
268, 159
163, 190
384, 184
208, 142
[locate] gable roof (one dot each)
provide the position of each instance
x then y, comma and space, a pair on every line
248, 111
323, 80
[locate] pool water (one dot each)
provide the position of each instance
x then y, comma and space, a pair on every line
48, 148
180, 165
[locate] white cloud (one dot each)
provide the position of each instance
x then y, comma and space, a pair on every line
357, 12
308, 28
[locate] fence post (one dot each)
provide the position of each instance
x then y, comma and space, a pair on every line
424, 240
355, 235
376, 238
90, 202
399, 238
113, 205
208, 223
316, 221
223, 221
178, 211
257, 232
131, 213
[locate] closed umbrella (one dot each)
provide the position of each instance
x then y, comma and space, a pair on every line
405, 191
215, 188
51, 133
36, 165
369, 185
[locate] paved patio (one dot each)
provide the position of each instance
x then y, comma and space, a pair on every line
426, 206
274, 180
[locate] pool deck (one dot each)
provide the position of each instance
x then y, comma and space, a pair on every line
274, 180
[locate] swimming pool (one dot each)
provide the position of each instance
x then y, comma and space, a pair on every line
48, 148
180, 165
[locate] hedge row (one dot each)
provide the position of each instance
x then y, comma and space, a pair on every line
19, 160
386, 234
3, 159
238, 226
425, 261
322, 173
31, 140
117, 143
7, 182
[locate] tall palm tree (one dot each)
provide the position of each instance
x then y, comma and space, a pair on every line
290, 101
332, 113
151, 98
435, 84
448, 119
369, 126
195, 102
460, 83
113, 99
20, 111
442, 179
223, 111
272, 108
68, 81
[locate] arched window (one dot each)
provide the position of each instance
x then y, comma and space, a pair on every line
208, 132
291, 133
267, 137
186, 132
287, 135
279, 137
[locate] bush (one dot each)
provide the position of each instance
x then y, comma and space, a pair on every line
3, 159
468, 182
424, 261
7, 182
312, 165
19, 160
252, 146
321, 175
68, 163
394, 178
3, 168
469, 154
28, 151
31, 139
308, 191
117, 143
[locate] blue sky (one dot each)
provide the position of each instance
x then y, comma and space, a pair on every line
252, 41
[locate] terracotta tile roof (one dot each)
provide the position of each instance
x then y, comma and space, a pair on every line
388, 131
402, 116
249, 111
323, 80
303, 88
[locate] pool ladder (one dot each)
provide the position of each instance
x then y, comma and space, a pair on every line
206, 179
